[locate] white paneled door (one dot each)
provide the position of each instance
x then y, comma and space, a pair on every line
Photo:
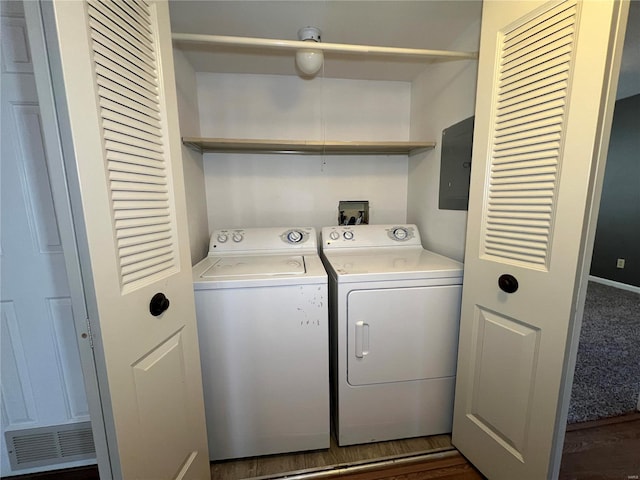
113, 72
41, 377
543, 114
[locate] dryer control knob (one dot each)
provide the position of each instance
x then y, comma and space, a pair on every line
348, 235
334, 235
400, 234
237, 237
294, 236
223, 237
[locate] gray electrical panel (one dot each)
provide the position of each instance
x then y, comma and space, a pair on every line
455, 165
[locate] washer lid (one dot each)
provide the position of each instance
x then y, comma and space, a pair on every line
243, 266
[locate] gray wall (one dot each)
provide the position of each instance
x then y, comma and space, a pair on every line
618, 231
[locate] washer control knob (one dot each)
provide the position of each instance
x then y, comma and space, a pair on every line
294, 236
223, 237
348, 235
334, 235
237, 237
400, 234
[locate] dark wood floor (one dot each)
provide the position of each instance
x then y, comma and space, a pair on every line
442, 466
604, 449
334, 458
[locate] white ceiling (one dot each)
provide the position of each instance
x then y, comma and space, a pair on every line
430, 24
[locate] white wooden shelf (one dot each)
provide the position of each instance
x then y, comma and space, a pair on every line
237, 145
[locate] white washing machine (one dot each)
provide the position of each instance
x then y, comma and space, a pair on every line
261, 305
394, 313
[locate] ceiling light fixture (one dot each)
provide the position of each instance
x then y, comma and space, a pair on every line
309, 60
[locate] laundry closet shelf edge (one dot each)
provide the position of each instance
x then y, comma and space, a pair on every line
317, 147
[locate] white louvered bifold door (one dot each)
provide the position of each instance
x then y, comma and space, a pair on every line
126, 71
117, 67
542, 123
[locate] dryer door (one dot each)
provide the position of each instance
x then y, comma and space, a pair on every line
402, 334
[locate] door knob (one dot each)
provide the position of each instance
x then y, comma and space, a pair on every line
508, 283
159, 303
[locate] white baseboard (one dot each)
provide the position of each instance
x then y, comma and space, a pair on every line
611, 283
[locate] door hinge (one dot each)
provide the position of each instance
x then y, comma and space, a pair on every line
89, 333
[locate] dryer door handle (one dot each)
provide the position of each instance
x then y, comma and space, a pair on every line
362, 339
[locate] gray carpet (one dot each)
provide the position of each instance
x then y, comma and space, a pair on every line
607, 375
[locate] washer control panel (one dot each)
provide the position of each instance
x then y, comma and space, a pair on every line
295, 236
370, 236
401, 234
231, 240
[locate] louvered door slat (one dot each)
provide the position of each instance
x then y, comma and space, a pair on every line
524, 174
110, 83
127, 83
111, 106
541, 142
538, 62
141, 248
120, 78
143, 169
139, 196
530, 78
132, 259
144, 265
522, 114
538, 154
502, 124
103, 56
142, 214
130, 122
124, 224
136, 151
518, 181
144, 239
118, 131
541, 95
518, 224
535, 104
536, 38
140, 8
516, 138
520, 194
140, 230
133, 109
538, 85
515, 230
139, 187
130, 10
151, 162
132, 279
120, 176
519, 34
122, 17
500, 167
101, 19
515, 79
135, 62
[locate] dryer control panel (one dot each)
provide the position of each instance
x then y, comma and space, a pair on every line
367, 236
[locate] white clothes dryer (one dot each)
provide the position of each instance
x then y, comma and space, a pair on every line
261, 305
394, 316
